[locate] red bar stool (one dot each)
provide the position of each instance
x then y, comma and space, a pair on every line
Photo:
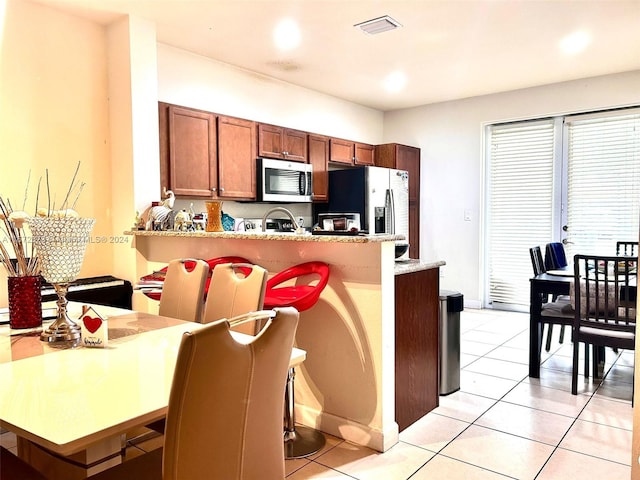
283, 291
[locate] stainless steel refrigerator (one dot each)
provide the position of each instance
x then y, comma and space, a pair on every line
380, 195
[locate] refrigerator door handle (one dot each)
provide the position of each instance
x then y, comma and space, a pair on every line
391, 212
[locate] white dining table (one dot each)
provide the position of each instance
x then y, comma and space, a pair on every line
76, 403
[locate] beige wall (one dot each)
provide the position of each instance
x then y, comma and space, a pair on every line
54, 114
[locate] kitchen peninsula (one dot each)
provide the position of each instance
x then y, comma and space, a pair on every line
348, 385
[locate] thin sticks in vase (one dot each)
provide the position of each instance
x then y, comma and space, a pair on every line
25, 265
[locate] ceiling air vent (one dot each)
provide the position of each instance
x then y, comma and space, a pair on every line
378, 25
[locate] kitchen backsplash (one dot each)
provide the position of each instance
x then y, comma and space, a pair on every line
249, 209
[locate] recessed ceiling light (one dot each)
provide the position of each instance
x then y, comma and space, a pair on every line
395, 81
575, 43
286, 34
378, 25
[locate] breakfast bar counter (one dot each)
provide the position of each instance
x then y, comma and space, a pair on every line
347, 385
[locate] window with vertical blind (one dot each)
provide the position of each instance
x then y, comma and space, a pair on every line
603, 181
520, 180
574, 179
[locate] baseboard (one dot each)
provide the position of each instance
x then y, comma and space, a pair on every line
365, 435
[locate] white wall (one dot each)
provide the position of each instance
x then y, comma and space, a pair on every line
199, 82
450, 137
195, 81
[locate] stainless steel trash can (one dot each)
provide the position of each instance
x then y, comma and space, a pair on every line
451, 304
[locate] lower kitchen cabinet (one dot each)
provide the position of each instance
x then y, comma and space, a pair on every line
416, 344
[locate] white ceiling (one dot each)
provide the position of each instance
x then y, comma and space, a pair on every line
447, 49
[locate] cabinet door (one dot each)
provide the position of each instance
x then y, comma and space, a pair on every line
236, 158
319, 160
295, 145
341, 151
363, 154
414, 230
192, 152
270, 141
408, 158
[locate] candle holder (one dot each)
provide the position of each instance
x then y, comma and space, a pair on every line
61, 243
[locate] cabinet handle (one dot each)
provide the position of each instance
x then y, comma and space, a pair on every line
221, 189
213, 189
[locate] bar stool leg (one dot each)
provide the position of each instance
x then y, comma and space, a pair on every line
300, 441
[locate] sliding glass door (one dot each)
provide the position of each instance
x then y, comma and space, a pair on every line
572, 179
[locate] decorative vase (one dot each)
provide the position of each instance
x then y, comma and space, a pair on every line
214, 216
25, 302
61, 243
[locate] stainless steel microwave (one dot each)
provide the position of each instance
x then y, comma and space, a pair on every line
283, 181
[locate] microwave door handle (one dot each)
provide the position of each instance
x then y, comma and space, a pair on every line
390, 208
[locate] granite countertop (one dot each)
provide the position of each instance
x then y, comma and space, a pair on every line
413, 265
306, 237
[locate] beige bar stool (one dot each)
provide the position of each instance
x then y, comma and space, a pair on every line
183, 290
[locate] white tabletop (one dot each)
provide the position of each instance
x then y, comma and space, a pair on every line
65, 400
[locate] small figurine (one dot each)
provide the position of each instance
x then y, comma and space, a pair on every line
139, 222
183, 221
160, 216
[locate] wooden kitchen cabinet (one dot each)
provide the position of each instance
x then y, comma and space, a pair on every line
187, 150
364, 154
319, 160
416, 345
351, 153
236, 158
341, 151
404, 157
280, 142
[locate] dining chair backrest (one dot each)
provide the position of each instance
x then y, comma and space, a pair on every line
235, 289
555, 256
224, 420
537, 261
183, 289
627, 249
605, 292
604, 296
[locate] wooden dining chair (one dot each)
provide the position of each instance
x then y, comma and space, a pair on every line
625, 249
605, 306
235, 288
183, 289
224, 420
553, 305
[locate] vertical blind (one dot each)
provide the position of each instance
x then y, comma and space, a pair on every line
603, 182
520, 199
597, 173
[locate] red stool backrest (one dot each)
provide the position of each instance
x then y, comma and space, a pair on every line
302, 297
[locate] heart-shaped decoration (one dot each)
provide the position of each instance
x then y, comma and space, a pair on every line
91, 323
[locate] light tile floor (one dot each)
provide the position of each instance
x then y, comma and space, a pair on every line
501, 423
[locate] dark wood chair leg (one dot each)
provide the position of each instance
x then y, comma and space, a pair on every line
547, 345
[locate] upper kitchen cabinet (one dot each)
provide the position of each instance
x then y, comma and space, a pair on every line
363, 154
404, 157
319, 160
236, 158
187, 150
351, 153
280, 142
